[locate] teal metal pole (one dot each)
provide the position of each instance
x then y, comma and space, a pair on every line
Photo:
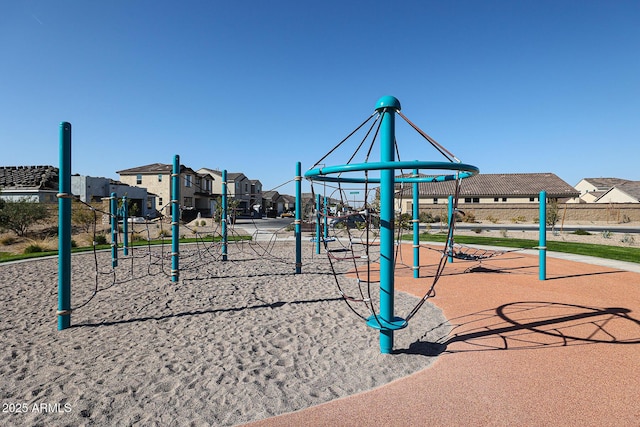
113, 211
225, 203
298, 220
175, 219
416, 227
64, 228
318, 224
125, 226
542, 245
450, 214
325, 232
387, 106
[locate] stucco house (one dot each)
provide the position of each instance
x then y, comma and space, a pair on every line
626, 192
488, 189
248, 192
93, 189
591, 189
195, 189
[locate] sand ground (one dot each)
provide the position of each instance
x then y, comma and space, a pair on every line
247, 341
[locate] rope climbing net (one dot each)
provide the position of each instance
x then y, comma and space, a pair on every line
364, 170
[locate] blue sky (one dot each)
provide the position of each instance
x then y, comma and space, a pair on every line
255, 86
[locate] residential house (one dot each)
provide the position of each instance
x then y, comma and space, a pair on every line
484, 189
93, 189
247, 192
195, 189
626, 192
35, 183
591, 189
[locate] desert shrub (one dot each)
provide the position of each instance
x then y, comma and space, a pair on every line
100, 239
581, 232
7, 240
203, 223
504, 232
19, 215
428, 218
469, 217
606, 234
31, 249
477, 230
518, 219
628, 239
74, 244
492, 219
137, 237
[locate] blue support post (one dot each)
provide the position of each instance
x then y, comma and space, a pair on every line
298, 220
175, 219
542, 244
113, 212
64, 229
416, 227
318, 224
125, 226
225, 213
325, 233
386, 320
450, 218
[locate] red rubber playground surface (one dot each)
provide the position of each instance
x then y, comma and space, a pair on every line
525, 352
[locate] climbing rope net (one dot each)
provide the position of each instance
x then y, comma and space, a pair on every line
355, 286
142, 250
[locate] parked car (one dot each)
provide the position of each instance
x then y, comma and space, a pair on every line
287, 214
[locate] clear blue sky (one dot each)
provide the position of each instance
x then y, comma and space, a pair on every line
255, 86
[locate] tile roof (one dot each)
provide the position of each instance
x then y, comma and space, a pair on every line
605, 183
498, 185
32, 177
154, 168
632, 188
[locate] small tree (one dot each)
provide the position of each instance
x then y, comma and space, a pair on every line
552, 213
19, 215
82, 216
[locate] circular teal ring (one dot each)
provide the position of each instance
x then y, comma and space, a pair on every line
322, 174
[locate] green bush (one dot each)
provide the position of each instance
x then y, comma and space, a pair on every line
33, 249
100, 239
581, 232
19, 215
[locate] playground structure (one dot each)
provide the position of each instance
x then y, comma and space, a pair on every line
387, 107
385, 321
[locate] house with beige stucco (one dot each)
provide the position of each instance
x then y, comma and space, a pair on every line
247, 192
196, 194
488, 189
591, 189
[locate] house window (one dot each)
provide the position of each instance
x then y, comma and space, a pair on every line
160, 201
532, 199
188, 202
159, 177
435, 200
187, 181
472, 200
504, 199
495, 199
467, 199
138, 179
